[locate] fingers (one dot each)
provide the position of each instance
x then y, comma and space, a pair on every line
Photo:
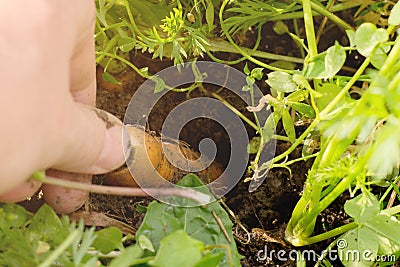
21, 192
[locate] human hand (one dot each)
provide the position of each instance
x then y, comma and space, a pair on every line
48, 88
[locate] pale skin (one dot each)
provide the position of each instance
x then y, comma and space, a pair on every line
47, 90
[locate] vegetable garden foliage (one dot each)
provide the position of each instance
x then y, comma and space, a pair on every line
169, 236
355, 143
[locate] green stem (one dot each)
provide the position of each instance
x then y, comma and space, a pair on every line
224, 46
392, 211
392, 58
240, 50
318, 238
310, 32
237, 112
110, 45
60, 249
346, 88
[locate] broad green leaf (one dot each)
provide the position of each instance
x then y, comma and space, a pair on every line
108, 239
328, 91
367, 37
281, 81
178, 249
358, 247
394, 17
198, 222
47, 226
315, 69
128, 257
210, 260
12, 216
109, 78
334, 60
363, 207
376, 234
288, 125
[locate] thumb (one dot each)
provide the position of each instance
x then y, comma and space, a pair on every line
91, 141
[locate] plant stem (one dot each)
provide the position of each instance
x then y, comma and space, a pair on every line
318, 238
60, 249
218, 45
392, 211
240, 50
128, 191
310, 32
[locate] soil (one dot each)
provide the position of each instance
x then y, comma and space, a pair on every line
265, 212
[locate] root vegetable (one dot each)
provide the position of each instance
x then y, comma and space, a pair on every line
148, 162
65, 200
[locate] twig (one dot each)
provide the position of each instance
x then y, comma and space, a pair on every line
221, 226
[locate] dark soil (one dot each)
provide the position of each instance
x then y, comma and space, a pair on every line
265, 212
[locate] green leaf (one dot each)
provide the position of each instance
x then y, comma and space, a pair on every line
394, 17
178, 249
375, 234
145, 243
387, 143
128, 257
257, 73
288, 125
362, 207
246, 70
210, 260
46, 224
297, 96
367, 37
126, 44
210, 15
254, 144
303, 109
269, 127
334, 60
281, 81
198, 222
280, 28
315, 69
160, 84
13, 216
108, 239
109, 78
328, 92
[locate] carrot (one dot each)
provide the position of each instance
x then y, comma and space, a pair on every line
148, 163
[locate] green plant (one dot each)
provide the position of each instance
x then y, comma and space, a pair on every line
199, 236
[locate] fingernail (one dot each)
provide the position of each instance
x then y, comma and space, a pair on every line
112, 154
